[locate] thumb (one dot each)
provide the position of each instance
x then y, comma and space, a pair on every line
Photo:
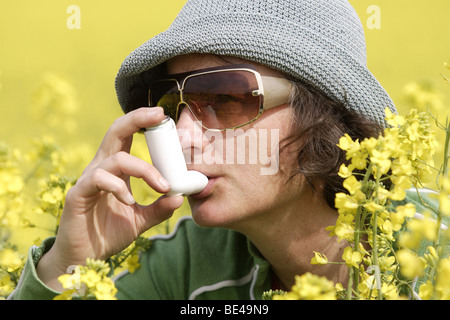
155, 213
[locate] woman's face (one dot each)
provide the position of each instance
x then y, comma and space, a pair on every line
241, 190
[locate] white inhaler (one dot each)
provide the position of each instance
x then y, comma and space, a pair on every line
167, 156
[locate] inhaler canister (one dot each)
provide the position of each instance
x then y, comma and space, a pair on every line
167, 156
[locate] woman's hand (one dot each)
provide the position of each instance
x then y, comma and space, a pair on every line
100, 217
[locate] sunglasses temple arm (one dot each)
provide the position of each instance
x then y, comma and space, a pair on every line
276, 91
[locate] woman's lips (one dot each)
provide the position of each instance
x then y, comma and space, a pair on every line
207, 190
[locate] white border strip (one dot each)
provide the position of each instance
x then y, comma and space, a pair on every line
251, 276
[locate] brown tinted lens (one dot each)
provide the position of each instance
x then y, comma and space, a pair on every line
223, 99
165, 94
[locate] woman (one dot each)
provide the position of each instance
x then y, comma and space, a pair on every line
249, 232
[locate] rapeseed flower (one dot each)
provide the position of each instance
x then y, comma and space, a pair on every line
418, 230
319, 258
88, 282
352, 185
411, 265
6, 285
352, 258
443, 279
105, 290
310, 287
398, 216
133, 263
404, 155
10, 260
344, 228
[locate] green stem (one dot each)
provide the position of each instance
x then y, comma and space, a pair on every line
350, 284
358, 230
374, 237
375, 250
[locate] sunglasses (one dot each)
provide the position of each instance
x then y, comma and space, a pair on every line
220, 98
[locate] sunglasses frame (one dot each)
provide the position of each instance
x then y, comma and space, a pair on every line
268, 99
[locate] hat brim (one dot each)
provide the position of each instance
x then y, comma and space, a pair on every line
308, 57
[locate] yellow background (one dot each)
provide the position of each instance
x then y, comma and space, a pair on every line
412, 45
34, 40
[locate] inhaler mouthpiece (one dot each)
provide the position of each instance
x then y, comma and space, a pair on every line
167, 156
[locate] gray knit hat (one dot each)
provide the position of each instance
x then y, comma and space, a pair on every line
320, 42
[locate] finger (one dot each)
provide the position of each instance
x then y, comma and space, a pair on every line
99, 180
162, 209
123, 165
119, 135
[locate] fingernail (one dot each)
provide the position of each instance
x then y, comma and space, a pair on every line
164, 183
129, 199
153, 111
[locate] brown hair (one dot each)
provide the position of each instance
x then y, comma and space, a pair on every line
319, 123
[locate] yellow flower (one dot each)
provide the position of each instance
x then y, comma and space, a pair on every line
70, 281
10, 260
353, 151
373, 207
426, 290
91, 278
403, 181
345, 142
6, 285
310, 287
443, 279
367, 287
53, 196
431, 257
10, 182
319, 258
352, 184
408, 210
381, 160
105, 290
397, 194
345, 203
344, 228
410, 264
417, 231
66, 295
393, 119
413, 131
339, 288
398, 218
389, 291
102, 267
386, 263
386, 228
133, 263
402, 166
352, 258
344, 171
370, 144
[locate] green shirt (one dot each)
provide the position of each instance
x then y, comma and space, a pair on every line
190, 263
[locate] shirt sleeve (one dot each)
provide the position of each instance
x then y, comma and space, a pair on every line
30, 287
